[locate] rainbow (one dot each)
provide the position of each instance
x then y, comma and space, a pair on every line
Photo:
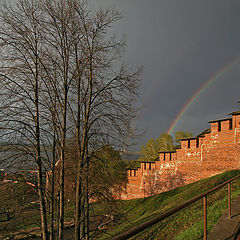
200, 90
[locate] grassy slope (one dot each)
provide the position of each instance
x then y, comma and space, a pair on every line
186, 224
20, 199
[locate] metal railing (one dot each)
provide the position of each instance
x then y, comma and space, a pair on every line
135, 230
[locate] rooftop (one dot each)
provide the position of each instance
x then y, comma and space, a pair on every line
136, 168
147, 161
190, 138
173, 151
202, 134
221, 120
235, 113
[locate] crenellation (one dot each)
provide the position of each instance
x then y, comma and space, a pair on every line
162, 156
226, 126
174, 156
168, 156
214, 127
211, 152
184, 144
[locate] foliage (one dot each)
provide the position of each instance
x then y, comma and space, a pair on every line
152, 148
109, 171
132, 163
181, 135
19, 200
163, 143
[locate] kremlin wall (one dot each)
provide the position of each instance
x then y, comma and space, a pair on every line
213, 151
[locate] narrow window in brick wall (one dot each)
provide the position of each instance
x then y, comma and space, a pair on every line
150, 166
219, 126
134, 173
130, 173
188, 143
170, 156
197, 142
230, 124
145, 166
164, 156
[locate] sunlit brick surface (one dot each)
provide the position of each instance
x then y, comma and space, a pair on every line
211, 153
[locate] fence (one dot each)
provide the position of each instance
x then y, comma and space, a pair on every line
135, 230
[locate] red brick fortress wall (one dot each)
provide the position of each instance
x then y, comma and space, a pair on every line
215, 150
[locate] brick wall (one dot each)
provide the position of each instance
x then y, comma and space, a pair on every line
210, 153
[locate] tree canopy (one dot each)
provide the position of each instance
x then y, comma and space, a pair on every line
164, 142
152, 148
106, 172
181, 135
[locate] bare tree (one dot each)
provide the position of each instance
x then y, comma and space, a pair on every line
21, 42
107, 94
63, 73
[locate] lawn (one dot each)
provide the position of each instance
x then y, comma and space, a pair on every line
19, 207
20, 201
186, 224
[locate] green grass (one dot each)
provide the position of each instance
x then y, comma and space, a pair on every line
20, 200
186, 224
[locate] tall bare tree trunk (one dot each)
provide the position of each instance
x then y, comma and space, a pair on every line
78, 204
87, 201
43, 212
51, 232
42, 200
78, 193
80, 216
83, 216
62, 171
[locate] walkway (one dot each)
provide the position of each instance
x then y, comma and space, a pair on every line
227, 229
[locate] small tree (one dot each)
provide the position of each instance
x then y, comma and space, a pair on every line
109, 170
151, 151
163, 143
181, 135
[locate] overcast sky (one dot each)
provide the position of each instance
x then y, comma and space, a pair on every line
182, 44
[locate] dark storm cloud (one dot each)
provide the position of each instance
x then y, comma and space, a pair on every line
182, 44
